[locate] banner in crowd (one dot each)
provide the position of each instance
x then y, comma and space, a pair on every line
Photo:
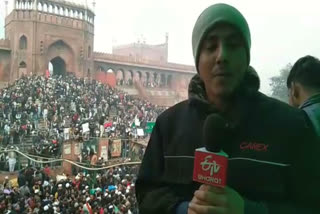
67, 148
136, 121
77, 148
149, 127
103, 151
66, 132
140, 132
116, 148
85, 128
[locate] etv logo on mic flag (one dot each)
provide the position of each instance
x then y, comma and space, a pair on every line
210, 168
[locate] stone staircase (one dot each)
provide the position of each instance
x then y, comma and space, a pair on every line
27, 144
24, 148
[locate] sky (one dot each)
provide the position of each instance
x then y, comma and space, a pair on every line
2, 12
281, 31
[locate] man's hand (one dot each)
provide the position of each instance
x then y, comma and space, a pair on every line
214, 200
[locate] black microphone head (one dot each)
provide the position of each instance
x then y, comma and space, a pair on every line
215, 132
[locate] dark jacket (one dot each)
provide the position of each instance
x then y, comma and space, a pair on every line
312, 108
273, 160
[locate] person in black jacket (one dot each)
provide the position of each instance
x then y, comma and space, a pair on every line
273, 164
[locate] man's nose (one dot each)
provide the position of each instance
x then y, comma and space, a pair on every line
222, 53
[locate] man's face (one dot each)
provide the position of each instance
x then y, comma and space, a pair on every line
223, 60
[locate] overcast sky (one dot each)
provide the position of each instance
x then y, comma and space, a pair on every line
282, 31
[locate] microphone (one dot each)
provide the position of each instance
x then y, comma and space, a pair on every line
210, 162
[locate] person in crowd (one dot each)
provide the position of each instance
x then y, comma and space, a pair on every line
269, 180
47, 170
94, 159
7, 183
12, 159
304, 88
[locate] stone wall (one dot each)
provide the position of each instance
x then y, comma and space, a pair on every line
4, 65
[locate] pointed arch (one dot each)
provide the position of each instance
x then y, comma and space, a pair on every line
61, 49
59, 66
23, 42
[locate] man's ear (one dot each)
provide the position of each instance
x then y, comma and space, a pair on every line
295, 90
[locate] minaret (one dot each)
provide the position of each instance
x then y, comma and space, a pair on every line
6, 8
93, 5
167, 38
35, 5
167, 47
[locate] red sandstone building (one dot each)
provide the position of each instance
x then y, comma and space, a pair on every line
39, 32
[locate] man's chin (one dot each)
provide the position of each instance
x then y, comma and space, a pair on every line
222, 91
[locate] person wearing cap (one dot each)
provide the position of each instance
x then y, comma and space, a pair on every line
273, 153
87, 209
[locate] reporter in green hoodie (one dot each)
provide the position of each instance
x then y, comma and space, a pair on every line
282, 178
221, 44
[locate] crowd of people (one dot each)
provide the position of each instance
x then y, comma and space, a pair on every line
35, 191
69, 108
155, 83
48, 111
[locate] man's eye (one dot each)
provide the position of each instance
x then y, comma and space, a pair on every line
234, 43
211, 47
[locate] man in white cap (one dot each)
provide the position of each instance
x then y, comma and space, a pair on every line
87, 207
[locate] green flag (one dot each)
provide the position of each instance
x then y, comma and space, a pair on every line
116, 209
149, 127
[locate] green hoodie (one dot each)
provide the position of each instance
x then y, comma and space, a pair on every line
312, 108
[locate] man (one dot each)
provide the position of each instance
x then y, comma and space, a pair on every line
47, 171
273, 164
87, 207
24, 190
12, 159
94, 159
304, 88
